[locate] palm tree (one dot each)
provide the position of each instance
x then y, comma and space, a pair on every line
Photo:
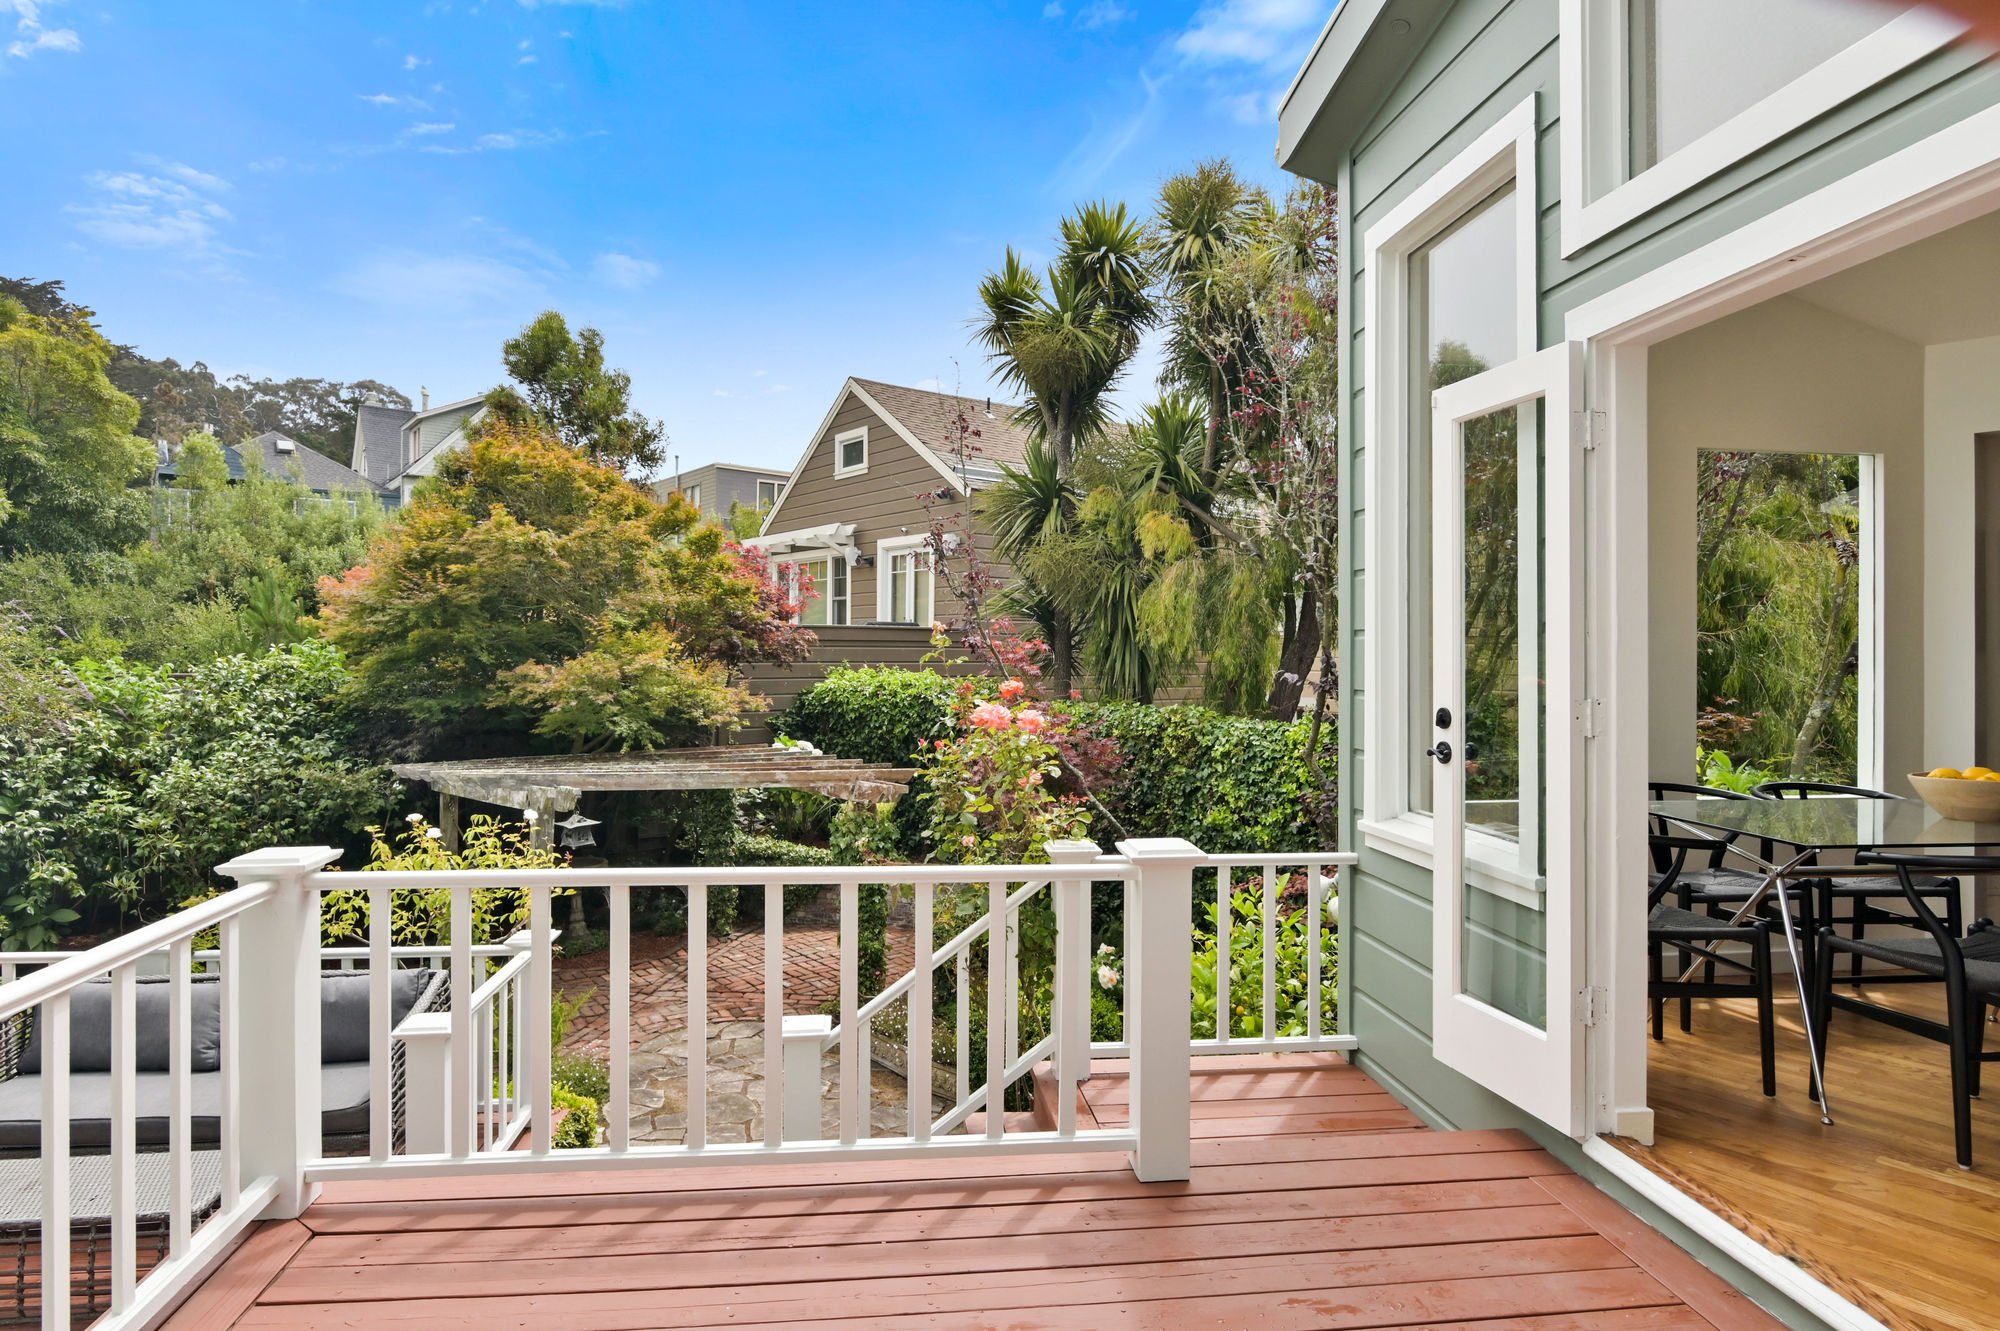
1063, 340
1203, 218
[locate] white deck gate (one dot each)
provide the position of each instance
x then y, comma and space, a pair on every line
477, 1078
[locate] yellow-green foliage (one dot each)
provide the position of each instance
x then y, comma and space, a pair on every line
423, 918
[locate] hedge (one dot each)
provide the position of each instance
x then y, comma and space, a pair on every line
1230, 784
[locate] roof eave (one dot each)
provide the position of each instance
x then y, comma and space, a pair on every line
1360, 55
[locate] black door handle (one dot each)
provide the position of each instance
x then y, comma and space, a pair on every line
1440, 751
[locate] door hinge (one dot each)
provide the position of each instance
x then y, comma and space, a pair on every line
1589, 1006
1594, 429
1586, 715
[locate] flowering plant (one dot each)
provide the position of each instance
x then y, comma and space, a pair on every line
992, 779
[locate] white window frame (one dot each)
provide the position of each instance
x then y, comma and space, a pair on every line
840, 442
692, 494
776, 489
1504, 153
1597, 196
833, 559
887, 549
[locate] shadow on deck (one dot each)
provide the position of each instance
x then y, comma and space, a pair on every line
1316, 1201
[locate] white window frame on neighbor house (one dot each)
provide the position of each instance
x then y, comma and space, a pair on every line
772, 488
1600, 194
1504, 154
885, 553
692, 494
840, 443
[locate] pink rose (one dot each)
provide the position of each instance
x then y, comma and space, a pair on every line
991, 716
1012, 689
1032, 721
967, 841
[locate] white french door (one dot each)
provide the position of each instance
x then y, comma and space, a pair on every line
1507, 655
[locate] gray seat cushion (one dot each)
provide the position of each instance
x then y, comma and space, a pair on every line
90, 1027
343, 1101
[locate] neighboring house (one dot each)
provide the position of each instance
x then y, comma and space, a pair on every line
282, 456
884, 466
1661, 229
395, 447
720, 486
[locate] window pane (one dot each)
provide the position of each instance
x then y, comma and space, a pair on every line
1463, 316
921, 581
853, 452
899, 588
814, 610
837, 600
1699, 63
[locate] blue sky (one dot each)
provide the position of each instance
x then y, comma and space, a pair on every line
751, 201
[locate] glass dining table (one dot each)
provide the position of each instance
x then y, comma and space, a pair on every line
1785, 839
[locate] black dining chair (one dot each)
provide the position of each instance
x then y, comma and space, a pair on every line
1861, 894
1697, 937
1968, 967
1713, 887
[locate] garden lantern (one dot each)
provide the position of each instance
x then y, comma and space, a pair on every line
576, 832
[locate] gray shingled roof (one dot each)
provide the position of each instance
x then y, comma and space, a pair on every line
379, 434
318, 471
931, 416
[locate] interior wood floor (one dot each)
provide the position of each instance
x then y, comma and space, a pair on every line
1875, 1205
1316, 1201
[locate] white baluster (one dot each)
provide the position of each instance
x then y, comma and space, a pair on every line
463, 983
777, 1087
1225, 919
124, 1137
996, 1008
1315, 921
917, 1015
54, 1019
619, 1130
541, 1115
1270, 952
381, 936
697, 1036
962, 1026
180, 1095
850, 1003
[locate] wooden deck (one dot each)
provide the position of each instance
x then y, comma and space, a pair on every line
1316, 1201
1875, 1205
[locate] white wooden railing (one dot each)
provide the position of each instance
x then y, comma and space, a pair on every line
476, 1097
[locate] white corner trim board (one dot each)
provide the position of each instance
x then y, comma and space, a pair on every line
1784, 1276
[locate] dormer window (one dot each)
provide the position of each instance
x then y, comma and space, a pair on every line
850, 452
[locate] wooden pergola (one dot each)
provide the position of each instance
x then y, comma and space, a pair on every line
552, 784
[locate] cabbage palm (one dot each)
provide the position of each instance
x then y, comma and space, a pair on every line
1063, 339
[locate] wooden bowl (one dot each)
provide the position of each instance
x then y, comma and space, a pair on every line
1954, 797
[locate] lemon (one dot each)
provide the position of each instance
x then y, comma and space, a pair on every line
1944, 773
1975, 773
1991, 776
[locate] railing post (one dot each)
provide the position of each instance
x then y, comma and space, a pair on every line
804, 1042
276, 970
1073, 959
1159, 956
427, 1106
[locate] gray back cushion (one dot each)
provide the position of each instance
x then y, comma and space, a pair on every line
90, 1027
343, 1021
343, 1010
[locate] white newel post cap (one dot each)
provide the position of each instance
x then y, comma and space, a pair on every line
278, 862
1072, 852
1164, 851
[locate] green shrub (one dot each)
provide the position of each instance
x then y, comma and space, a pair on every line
582, 1075
150, 777
1246, 970
873, 713
1230, 784
578, 1130
752, 848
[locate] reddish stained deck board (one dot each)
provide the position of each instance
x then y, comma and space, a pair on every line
1316, 1202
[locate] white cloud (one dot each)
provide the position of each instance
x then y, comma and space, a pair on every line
623, 270
525, 60
431, 127
450, 283
1102, 14
1053, 9
931, 385
31, 36
170, 208
779, 388
411, 61
393, 99
1253, 32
